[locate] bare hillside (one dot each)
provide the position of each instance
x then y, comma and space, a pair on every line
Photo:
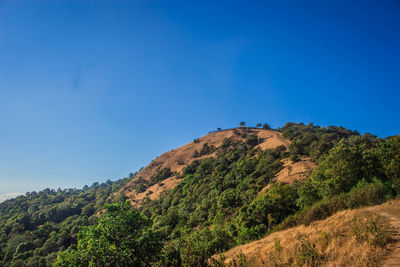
177, 159
293, 171
361, 237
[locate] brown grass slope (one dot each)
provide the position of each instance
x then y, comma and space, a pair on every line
177, 159
361, 237
293, 171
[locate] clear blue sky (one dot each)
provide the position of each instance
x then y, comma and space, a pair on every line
91, 90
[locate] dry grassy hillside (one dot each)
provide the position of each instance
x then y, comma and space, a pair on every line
362, 237
177, 159
293, 171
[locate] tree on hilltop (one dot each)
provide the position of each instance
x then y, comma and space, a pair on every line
266, 126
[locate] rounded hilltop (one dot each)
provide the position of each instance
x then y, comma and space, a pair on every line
163, 172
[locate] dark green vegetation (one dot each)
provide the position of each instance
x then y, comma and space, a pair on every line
161, 175
35, 227
216, 206
205, 150
213, 198
122, 237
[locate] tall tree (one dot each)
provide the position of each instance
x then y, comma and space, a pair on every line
122, 237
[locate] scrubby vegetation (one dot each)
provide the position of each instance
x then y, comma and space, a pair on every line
161, 175
217, 205
205, 150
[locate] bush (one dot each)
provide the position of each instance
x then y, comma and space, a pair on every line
162, 174
139, 188
367, 194
307, 254
266, 126
252, 140
368, 228
206, 149
122, 237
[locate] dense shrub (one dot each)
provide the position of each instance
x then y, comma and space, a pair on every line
161, 175
122, 237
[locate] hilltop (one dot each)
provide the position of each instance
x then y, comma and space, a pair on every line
253, 195
172, 162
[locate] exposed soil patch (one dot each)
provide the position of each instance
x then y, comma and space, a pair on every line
391, 211
293, 171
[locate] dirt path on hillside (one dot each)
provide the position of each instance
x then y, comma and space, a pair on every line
392, 214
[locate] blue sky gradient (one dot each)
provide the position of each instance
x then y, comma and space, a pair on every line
92, 90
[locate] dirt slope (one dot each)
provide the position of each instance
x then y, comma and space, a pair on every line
293, 171
333, 239
177, 159
392, 214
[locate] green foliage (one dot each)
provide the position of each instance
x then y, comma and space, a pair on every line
388, 154
205, 150
339, 171
217, 204
353, 171
364, 194
308, 194
314, 141
122, 237
252, 140
211, 193
266, 126
200, 245
139, 188
277, 244
266, 211
36, 226
368, 193
161, 175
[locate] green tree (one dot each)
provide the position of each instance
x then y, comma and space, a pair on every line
122, 237
339, 171
389, 154
266, 126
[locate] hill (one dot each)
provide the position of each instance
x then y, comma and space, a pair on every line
224, 190
169, 165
